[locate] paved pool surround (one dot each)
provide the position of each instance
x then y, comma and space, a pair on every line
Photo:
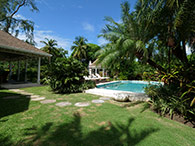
132, 96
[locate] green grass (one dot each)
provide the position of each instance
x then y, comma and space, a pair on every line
25, 122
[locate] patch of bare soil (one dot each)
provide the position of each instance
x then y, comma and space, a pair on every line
181, 119
178, 118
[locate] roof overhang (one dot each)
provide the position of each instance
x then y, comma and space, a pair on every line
22, 51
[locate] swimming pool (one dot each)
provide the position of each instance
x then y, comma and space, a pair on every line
131, 86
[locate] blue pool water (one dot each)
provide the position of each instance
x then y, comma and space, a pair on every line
132, 86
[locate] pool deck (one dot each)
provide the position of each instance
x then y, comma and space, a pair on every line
114, 93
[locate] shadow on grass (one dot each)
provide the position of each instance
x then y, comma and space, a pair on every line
71, 134
12, 105
5, 141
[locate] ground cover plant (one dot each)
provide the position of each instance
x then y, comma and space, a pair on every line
26, 122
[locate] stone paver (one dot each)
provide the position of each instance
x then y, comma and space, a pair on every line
82, 104
16, 90
11, 97
48, 101
97, 101
38, 99
34, 96
26, 93
62, 104
105, 98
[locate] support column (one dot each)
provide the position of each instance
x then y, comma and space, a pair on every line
18, 78
103, 72
90, 72
38, 71
95, 70
25, 76
10, 70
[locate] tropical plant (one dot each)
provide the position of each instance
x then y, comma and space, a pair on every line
50, 47
79, 48
66, 75
128, 40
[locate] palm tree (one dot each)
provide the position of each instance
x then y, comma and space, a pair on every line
50, 47
79, 48
128, 40
172, 21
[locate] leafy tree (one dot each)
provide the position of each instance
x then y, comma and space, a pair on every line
79, 48
50, 47
66, 76
12, 24
128, 40
90, 52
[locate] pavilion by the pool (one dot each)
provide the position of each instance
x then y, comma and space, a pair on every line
12, 49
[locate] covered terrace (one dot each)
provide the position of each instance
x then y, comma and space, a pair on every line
14, 50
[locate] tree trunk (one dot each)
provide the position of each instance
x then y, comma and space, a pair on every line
155, 65
139, 55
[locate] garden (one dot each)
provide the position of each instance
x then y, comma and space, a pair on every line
27, 122
153, 42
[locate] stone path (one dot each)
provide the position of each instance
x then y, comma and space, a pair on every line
97, 101
38, 99
48, 101
82, 104
43, 100
63, 104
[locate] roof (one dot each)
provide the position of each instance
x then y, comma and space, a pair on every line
10, 44
95, 65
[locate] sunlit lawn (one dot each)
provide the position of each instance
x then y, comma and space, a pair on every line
25, 122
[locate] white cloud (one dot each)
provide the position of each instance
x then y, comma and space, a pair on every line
101, 41
18, 16
88, 27
40, 35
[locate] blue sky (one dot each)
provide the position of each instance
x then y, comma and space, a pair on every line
63, 20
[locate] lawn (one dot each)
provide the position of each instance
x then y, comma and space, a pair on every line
26, 122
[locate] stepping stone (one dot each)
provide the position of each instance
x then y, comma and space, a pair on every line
97, 101
62, 104
48, 101
25, 93
34, 96
82, 104
16, 90
38, 99
105, 98
11, 97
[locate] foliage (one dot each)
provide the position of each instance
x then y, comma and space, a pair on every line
11, 22
151, 76
58, 126
66, 75
79, 48
177, 96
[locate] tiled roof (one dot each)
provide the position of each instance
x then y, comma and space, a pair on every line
8, 42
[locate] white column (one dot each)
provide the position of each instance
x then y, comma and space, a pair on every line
18, 78
10, 70
38, 71
90, 72
95, 70
103, 72
25, 76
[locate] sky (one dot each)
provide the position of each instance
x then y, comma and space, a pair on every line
63, 20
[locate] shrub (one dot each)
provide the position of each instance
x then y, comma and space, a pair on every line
66, 76
177, 96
